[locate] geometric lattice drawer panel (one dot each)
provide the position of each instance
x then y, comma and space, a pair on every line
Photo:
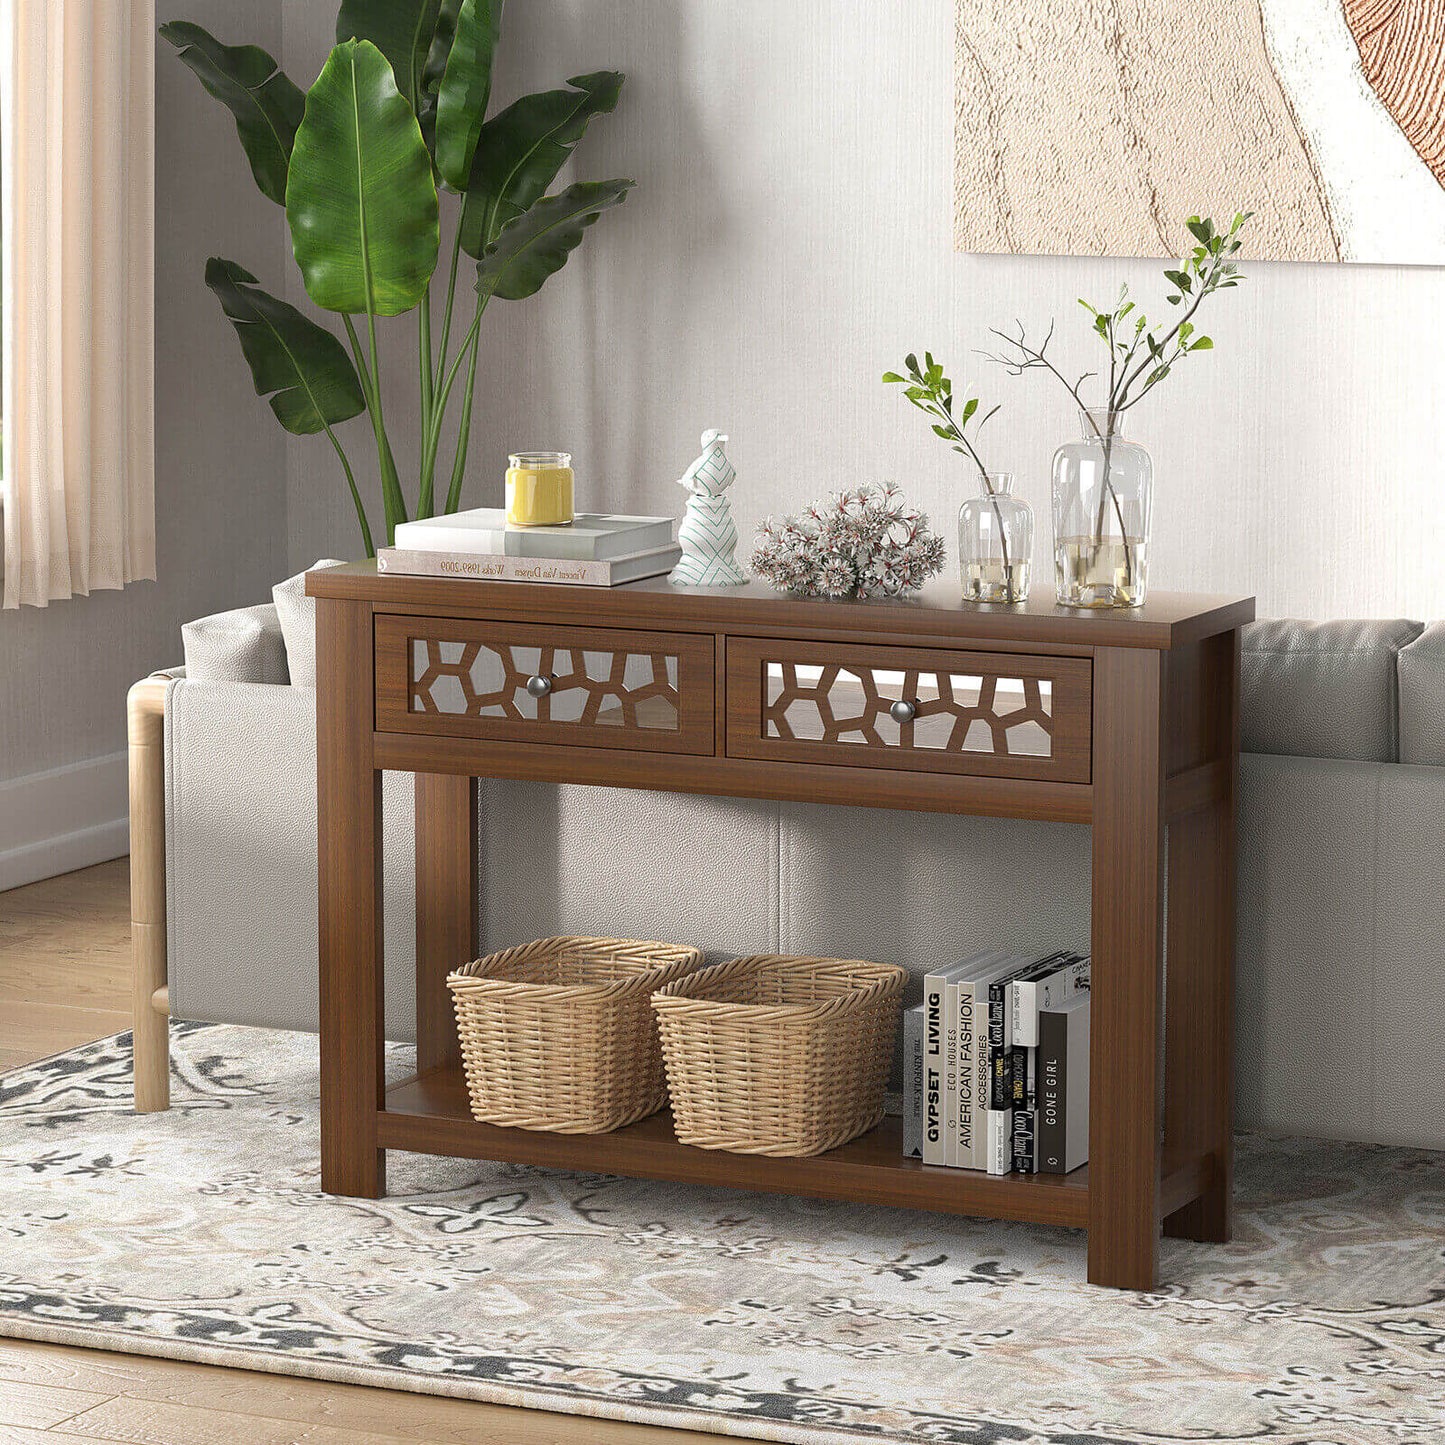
599, 688
881, 708
967, 712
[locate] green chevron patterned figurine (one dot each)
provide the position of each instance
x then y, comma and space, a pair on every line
708, 534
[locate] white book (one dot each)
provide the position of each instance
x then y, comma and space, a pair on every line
957, 1091
1031, 995
589, 537
964, 1102
481, 567
1000, 1140
968, 1006
935, 1081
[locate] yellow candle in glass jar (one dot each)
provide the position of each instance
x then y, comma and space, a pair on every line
539, 489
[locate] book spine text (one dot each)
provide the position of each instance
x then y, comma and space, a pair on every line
933, 1134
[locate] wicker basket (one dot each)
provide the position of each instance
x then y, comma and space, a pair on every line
557, 1034
776, 1054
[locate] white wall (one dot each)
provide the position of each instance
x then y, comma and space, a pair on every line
789, 239
220, 488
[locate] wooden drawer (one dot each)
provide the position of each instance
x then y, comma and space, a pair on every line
1001, 714
603, 689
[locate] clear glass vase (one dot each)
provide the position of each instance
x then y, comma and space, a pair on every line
995, 542
1103, 496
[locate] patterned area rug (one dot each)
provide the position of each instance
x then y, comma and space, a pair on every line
201, 1234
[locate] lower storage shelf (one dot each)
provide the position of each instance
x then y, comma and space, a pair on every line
429, 1115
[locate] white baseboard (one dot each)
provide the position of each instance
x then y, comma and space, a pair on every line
64, 819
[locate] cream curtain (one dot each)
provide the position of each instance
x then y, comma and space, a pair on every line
79, 182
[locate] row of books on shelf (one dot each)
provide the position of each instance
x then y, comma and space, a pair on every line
996, 1065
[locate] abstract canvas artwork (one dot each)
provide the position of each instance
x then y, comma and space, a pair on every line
1093, 127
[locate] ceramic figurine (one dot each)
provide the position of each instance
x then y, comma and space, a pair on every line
708, 534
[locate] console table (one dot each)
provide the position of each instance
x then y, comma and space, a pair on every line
1127, 722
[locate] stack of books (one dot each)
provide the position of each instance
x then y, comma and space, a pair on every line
594, 550
996, 1065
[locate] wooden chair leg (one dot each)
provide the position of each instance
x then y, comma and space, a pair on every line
150, 1025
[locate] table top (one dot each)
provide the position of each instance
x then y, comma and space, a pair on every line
1167, 620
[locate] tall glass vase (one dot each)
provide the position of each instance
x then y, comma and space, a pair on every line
1103, 497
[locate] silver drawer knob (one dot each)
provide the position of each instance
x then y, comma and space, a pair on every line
539, 686
903, 711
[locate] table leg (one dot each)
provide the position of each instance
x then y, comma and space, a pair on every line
1128, 785
446, 908
1199, 1021
348, 821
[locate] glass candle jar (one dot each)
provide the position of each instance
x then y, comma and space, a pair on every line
539, 489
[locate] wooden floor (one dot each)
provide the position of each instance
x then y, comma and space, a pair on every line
64, 980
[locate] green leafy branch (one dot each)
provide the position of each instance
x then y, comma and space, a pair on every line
932, 393
1140, 355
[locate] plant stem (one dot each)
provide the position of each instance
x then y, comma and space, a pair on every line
392, 502
452, 286
355, 492
1201, 291
431, 442
1036, 357
1105, 496
464, 433
423, 327
992, 497
464, 426
1113, 361
423, 337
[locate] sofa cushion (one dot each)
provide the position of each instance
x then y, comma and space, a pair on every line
1322, 689
241, 861
297, 612
1305, 945
244, 645
1421, 671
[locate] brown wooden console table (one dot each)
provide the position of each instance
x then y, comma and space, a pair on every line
1128, 722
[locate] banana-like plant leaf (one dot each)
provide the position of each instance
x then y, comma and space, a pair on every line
361, 202
465, 89
403, 30
249, 83
521, 150
538, 242
299, 366
435, 68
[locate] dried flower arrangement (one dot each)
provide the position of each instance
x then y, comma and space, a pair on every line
866, 542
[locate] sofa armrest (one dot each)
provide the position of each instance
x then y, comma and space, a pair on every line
145, 730
1421, 669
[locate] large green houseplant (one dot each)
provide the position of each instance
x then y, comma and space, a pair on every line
396, 120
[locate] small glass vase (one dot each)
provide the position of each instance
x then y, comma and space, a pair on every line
1103, 497
995, 542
